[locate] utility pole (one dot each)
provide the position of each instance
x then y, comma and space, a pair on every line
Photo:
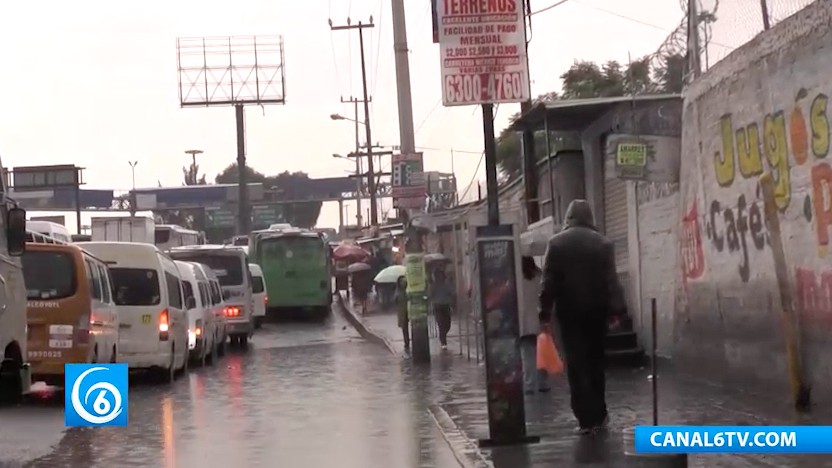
417, 303
766, 17
694, 65
133, 191
355, 103
371, 183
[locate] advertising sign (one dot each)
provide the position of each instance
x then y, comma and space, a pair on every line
499, 304
482, 46
408, 187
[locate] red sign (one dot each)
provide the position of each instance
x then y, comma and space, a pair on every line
482, 45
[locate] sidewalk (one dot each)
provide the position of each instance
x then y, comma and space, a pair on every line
457, 387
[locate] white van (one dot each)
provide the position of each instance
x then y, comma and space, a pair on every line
231, 267
50, 229
204, 272
201, 323
258, 293
153, 329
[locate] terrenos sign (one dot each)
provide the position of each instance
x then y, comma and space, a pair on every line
645, 157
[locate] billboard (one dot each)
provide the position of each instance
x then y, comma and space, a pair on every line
482, 46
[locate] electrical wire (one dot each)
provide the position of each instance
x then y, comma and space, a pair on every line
332, 47
482, 157
378, 44
424, 121
544, 9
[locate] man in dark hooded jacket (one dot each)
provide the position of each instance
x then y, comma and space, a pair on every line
581, 285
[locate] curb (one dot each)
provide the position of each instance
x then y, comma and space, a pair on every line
366, 332
465, 450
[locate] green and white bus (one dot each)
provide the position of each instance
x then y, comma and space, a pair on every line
297, 269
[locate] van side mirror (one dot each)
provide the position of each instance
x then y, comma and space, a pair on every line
190, 303
16, 231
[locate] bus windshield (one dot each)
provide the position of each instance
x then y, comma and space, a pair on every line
135, 286
162, 236
229, 268
308, 249
48, 275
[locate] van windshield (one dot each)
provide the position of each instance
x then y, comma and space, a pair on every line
48, 275
229, 268
135, 286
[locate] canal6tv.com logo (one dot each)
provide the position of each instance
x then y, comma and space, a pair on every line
95, 394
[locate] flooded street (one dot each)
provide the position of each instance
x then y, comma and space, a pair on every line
302, 395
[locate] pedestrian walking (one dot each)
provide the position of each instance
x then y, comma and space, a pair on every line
534, 379
441, 297
581, 284
401, 309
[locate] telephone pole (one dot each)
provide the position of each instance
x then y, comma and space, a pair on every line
355, 103
417, 303
371, 182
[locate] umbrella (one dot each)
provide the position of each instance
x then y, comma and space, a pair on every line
436, 257
390, 274
534, 243
356, 267
350, 252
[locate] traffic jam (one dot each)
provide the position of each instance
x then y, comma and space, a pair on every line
154, 297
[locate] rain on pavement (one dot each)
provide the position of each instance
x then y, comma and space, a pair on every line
302, 395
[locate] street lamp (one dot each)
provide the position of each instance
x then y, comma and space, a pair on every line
341, 117
193, 154
133, 191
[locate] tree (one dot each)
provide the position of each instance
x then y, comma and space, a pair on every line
297, 214
191, 175
585, 80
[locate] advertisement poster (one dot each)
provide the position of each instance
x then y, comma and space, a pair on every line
482, 48
499, 303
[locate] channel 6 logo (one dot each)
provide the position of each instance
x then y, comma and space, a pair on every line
95, 394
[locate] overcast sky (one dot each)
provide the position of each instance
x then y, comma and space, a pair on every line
95, 83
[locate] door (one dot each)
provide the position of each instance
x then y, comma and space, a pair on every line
138, 297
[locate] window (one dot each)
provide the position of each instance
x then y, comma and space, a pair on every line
135, 286
162, 236
216, 294
229, 268
106, 295
48, 275
95, 280
257, 285
188, 289
174, 291
203, 294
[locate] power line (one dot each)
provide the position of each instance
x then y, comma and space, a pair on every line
556, 4
425, 120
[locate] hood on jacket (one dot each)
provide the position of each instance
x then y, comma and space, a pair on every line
579, 214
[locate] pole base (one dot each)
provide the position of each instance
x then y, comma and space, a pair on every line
489, 443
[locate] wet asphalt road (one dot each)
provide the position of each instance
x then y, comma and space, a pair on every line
302, 395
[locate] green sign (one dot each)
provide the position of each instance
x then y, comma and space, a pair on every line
631, 155
415, 273
266, 215
219, 217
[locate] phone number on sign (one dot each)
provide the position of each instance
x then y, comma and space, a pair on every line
488, 87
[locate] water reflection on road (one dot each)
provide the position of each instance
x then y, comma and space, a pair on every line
303, 395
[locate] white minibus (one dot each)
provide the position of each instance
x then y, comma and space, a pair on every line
153, 328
